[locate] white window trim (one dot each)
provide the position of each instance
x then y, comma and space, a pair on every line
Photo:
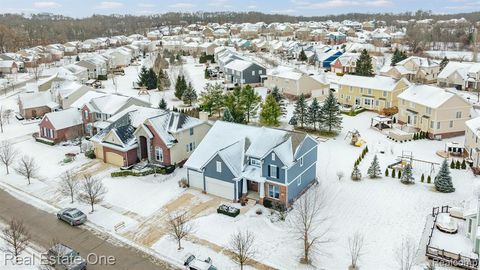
270, 172
219, 166
273, 155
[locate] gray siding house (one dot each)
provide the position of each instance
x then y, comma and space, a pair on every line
237, 161
244, 72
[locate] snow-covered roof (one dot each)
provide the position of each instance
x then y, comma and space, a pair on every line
239, 65
109, 104
452, 66
430, 96
378, 82
34, 100
234, 141
86, 99
473, 124
65, 118
420, 61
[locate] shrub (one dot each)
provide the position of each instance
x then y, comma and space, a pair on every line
228, 210
267, 203
183, 183
393, 173
259, 211
399, 174
429, 179
457, 165
452, 164
102, 77
422, 178
47, 142
464, 165
90, 154
386, 172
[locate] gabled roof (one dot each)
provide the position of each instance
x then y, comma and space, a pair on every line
378, 82
64, 119
430, 96
240, 65
35, 100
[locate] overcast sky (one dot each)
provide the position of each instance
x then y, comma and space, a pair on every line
83, 8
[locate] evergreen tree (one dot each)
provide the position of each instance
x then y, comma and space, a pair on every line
429, 179
233, 101
394, 173
143, 77
212, 99
270, 112
302, 57
407, 176
330, 114
189, 95
206, 74
452, 164
356, 174
279, 99
151, 82
313, 116
180, 86
250, 100
386, 172
444, 63
398, 56
364, 65
399, 174
77, 58
464, 165
443, 180
293, 121
374, 170
227, 116
163, 104
422, 178
301, 110
457, 165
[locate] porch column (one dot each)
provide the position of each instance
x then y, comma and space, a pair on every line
261, 190
149, 150
244, 186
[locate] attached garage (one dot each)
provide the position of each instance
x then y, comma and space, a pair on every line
220, 188
195, 179
114, 159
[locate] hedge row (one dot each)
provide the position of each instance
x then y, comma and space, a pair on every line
228, 210
163, 170
40, 140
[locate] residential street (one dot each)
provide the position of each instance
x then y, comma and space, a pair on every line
44, 227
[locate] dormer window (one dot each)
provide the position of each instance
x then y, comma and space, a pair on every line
255, 162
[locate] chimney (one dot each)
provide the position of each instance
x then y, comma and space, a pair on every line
203, 116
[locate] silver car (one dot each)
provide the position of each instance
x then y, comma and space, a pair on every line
62, 257
72, 216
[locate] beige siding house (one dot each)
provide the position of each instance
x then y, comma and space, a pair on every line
434, 110
372, 93
293, 83
424, 70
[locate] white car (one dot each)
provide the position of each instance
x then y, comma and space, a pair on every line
192, 263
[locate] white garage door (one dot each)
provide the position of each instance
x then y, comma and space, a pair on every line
219, 188
195, 179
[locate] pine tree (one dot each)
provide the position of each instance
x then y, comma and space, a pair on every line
233, 101
444, 63
407, 176
301, 110
422, 179
250, 100
143, 77
464, 165
180, 86
270, 112
330, 114
356, 174
386, 172
293, 121
227, 116
206, 74
302, 57
452, 164
399, 174
189, 95
151, 81
163, 104
429, 179
457, 165
279, 99
394, 173
443, 180
212, 99
374, 169
314, 112
364, 64
77, 58
398, 56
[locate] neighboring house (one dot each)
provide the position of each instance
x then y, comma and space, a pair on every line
8, 67
472, 141
440, 113
98, 110
372, 93
61, 125
293, 83
67, 93
35, 105
244, 72
148, 134
473, 78
336, 38
454, 74
237, 161
207, 48
425, 70
326, 57
398, 72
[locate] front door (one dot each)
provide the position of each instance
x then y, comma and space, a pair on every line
252, 186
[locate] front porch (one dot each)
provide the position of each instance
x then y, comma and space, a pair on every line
253, 184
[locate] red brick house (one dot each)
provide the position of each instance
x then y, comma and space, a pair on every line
61, 125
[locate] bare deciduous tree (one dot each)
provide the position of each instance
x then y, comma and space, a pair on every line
68, 185
7, 154
340, 175
16, 237
242, 246
179, 226
309, 222
406, 253
92, 190
355, 247
27, 167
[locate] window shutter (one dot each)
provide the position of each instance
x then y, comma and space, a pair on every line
278, 174
269, 167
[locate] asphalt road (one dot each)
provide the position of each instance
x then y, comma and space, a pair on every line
45, 227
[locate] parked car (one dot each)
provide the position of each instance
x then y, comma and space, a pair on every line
63, 257
72, 216
192, 263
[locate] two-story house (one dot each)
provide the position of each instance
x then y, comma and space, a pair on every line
425, 70
237, 161
473, 77
434, 110
372, 93
295, 83
147, 134
242, 72
98, 110
472, 140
